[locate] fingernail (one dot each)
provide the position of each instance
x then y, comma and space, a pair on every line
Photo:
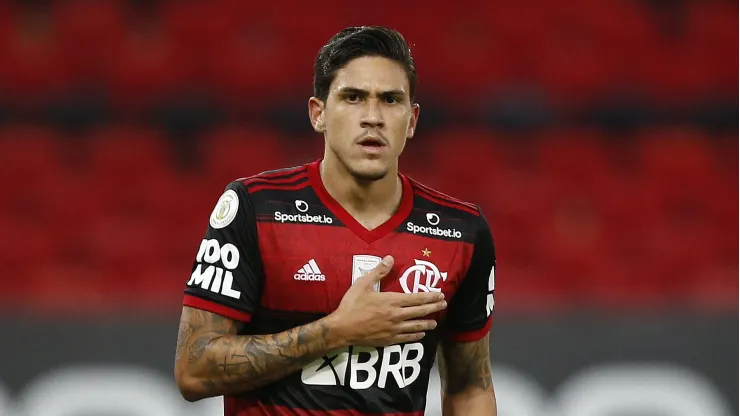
388, 261
444, 304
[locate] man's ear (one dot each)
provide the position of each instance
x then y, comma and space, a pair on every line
316, 114
415, 109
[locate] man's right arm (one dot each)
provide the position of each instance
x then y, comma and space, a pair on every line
211, 360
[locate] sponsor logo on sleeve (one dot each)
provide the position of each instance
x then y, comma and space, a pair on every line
211, 277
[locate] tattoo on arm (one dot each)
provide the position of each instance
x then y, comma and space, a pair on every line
464, 365
225, 363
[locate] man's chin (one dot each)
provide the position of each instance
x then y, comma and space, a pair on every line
368, 171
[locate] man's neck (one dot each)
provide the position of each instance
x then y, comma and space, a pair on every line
361, 198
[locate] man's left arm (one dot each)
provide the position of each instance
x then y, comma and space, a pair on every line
465, 372
463, 357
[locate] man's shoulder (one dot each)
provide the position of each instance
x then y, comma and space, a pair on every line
426, 197
283, 179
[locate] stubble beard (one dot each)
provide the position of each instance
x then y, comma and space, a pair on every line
366, 177
360, 176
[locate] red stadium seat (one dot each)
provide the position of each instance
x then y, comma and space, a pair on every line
34, 68
126, 153
196, 25
198, 30
8, 16
471, 154
474, 59
254, 69
233, 152
26, 247
679, 155
567, 43
29, 156
133, 171
574, 154
90, 33
145, 69
713, 28
125, 244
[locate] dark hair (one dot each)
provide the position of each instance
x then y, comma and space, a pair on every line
356, 42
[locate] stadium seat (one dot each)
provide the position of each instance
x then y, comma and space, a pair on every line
574, 154
30, 152
712, 28
198, 25
232, 152
125, 244
679, 155
472, 154
126, 153
258, 64
89, 32
146, 69
34, 68
133, 171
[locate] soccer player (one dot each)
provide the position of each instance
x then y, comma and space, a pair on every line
329, 288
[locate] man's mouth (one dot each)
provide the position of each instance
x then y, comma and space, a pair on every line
372, 142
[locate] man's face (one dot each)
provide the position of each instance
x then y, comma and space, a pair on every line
367, 116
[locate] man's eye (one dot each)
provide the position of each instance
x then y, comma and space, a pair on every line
353, 98
391, 100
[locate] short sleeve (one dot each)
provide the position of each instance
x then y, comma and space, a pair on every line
469, 313
227, 273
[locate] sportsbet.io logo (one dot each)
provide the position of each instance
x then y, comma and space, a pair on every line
304, 218
435, 231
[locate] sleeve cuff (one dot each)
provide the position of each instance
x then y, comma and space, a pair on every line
470, 336
207, 305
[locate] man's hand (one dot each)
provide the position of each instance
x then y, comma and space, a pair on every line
366, 317
212, 360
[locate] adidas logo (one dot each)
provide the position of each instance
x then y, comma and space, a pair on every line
310, 271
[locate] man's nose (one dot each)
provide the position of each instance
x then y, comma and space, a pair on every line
373, 116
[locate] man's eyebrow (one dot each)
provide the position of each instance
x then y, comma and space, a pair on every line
365, 93
353, 90
392, 93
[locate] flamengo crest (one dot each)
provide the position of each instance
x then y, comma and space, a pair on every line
424, 276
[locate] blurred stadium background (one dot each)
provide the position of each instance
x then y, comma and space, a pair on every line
600, 138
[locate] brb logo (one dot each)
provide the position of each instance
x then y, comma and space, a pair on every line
215, 278
357, 367
424, 276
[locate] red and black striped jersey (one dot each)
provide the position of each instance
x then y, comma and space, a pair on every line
280, 252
